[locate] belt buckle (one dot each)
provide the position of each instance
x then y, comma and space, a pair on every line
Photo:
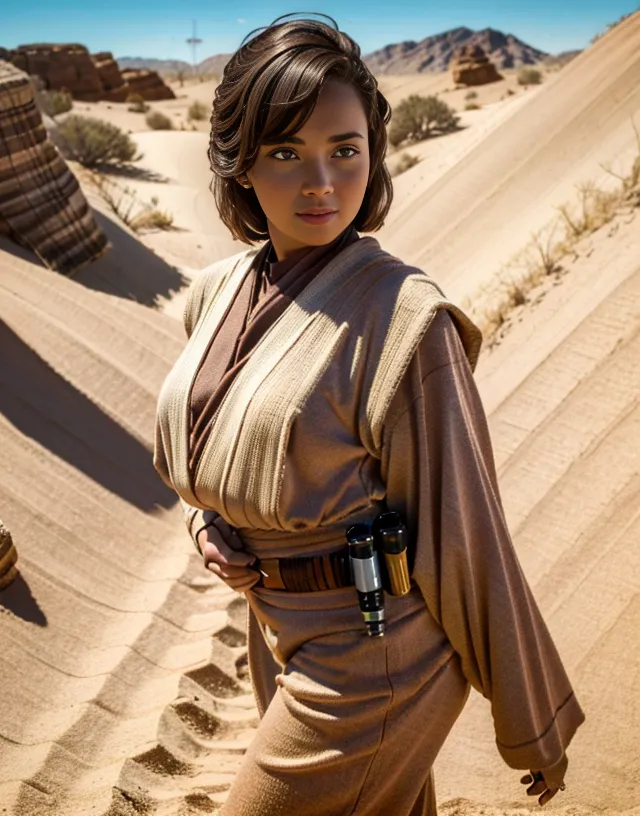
270, 571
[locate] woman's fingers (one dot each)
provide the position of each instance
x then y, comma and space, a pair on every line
547, 782
537, 788
546, 797
223, 559
239, 578
215, 548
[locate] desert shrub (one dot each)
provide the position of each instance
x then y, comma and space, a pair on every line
197, 111
51, 103
405, 161
137, 103
471, 95
529, 76
472, 106
124, 202
419, 117
93, 142
158, 121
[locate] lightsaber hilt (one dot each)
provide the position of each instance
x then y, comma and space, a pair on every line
391, 537
367, 577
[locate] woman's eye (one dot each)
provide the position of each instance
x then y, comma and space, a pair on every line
289, 150
282, 150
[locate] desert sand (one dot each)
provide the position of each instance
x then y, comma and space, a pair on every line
123, 677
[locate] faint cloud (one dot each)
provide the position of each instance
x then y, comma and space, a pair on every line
241, 20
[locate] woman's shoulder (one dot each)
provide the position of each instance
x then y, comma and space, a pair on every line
421, 306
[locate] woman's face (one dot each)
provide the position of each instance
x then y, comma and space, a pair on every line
312, 171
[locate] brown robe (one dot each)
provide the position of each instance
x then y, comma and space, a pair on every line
352, 724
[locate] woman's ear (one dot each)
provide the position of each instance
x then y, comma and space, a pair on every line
244, 181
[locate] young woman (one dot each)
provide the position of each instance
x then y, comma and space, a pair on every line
323, 381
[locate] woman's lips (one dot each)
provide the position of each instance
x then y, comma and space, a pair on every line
317, 219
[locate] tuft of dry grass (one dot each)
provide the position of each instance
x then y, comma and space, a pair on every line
404, 163
139, 216
541, 258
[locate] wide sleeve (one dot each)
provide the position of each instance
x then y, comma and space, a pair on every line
438, 466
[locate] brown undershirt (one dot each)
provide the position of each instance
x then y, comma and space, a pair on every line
266, 291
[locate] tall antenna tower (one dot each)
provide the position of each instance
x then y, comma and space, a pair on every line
194, 42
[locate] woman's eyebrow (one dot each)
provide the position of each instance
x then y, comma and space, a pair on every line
340, 137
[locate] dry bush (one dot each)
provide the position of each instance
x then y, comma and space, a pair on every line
404, 163
51, 103
123, 201
158, 121
542, 255
93, 142
472, 106
596, 208
419, 117
529, 76
631, 181
137, 103
197, 111
471, 95
610, 26
152, 219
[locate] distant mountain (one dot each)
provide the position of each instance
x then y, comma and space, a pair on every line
211, 65
434, 54
431, 55
214, 65
151, 64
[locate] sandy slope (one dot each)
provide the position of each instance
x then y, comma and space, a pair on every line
562, 392
109, 673
111, 615
483, 210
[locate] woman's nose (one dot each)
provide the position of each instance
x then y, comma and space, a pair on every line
317, 181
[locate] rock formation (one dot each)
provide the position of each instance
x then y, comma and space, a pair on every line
148, 84
471, 66
8, 557
68, 67
87, 77
41, 204
114, 86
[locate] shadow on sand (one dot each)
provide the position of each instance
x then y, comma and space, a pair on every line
130, 270
44, 406
18, 599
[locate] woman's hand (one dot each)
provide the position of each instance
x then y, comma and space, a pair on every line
547, 781
224, 556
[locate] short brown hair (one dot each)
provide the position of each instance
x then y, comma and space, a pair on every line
269, 89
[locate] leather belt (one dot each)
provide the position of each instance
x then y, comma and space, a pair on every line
307, 573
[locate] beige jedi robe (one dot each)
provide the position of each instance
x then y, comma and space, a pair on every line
378, 403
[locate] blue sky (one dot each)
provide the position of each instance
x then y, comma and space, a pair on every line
159, 28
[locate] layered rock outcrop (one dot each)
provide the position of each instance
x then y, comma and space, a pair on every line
113, 84
68, 67
148, 84
87, 77
41, 204
8, 557
471, 66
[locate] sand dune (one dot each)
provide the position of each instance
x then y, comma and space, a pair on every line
483, 210
123, 668
111, 615
562, 395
